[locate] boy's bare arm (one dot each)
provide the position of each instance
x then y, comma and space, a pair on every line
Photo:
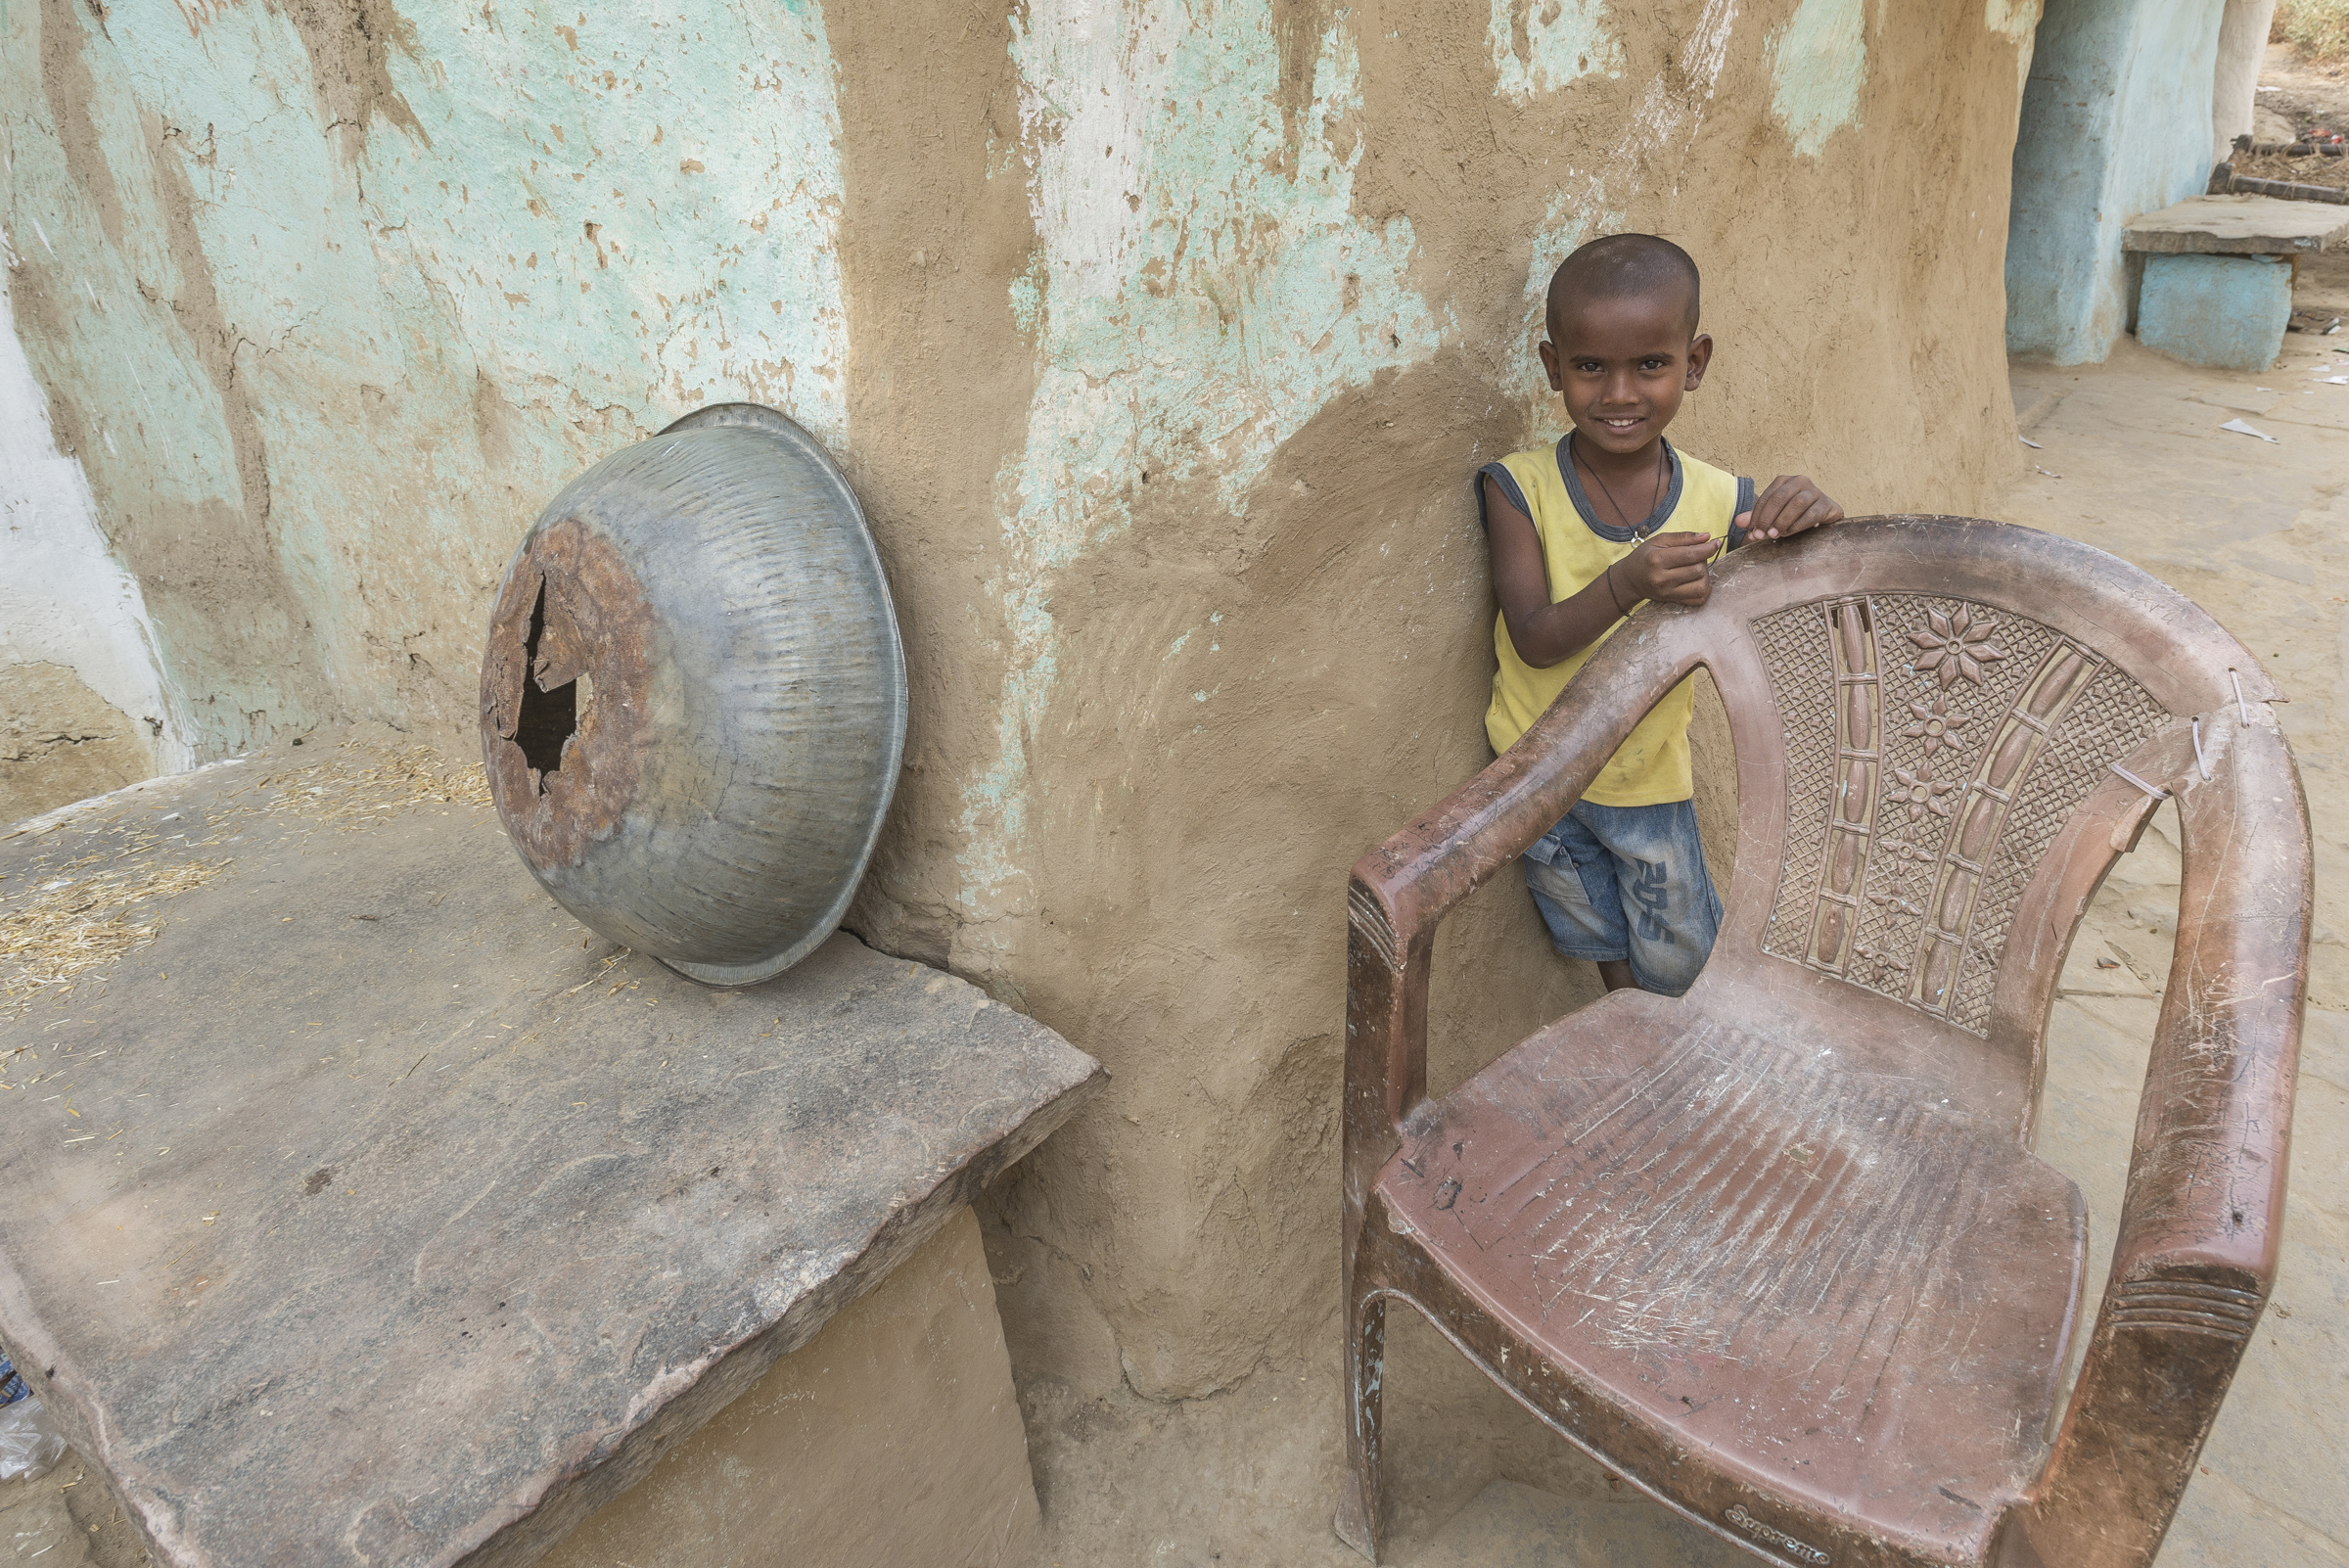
1670, 567
1791, 505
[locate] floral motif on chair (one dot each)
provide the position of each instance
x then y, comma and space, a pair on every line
1956, 645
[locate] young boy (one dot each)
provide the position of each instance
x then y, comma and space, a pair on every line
1580, 534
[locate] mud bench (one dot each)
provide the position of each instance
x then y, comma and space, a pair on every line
370, 1211
2219, 270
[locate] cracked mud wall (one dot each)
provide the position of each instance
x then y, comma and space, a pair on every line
1207, 614
1159, 341
326, 300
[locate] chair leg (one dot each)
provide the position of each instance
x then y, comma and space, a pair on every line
1362, 1510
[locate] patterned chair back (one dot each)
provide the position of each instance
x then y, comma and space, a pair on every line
1934, 746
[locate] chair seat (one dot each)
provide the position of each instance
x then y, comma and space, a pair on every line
1808, 1279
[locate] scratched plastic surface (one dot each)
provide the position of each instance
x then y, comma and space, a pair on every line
1778, 1251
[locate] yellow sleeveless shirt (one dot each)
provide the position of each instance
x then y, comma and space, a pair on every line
1652, 764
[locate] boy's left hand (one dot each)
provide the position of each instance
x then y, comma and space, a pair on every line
1791, 505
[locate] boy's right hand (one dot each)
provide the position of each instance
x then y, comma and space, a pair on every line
1669, 568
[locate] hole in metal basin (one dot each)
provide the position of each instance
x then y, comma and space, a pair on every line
548, 718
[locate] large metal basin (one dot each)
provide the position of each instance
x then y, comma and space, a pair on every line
693, 696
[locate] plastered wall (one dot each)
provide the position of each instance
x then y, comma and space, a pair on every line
890, 1440
2242, 49
2116, 124
1160, 341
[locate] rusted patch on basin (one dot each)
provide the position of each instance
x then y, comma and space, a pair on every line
563, 679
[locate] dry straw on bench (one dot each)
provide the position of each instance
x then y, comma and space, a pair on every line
69, 920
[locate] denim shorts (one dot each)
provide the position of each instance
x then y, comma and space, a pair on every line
1628, 882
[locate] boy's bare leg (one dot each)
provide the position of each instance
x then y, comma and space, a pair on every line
1616, 973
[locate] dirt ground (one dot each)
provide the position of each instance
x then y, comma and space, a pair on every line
2296, 99
2314, 169
67, 1518
2308, 96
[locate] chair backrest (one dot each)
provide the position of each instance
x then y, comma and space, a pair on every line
1933, 747
1922, 707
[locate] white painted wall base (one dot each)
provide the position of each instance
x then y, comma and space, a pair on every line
2234, 86
65, 598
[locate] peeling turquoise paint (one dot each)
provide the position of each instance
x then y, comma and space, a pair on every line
1538, 47
1203, 289
1541, 45
1569, 224
688, 196
1591, 200
1817, 65
599, 216
1028, 302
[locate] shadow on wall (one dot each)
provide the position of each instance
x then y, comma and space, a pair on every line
2116, 122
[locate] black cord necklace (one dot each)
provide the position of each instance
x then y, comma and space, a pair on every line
1623, 519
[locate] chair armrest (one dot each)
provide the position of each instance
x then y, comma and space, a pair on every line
2200, 1226
1403, 888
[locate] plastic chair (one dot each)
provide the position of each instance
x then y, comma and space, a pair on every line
1778, 1251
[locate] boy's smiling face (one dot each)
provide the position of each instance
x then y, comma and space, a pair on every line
1624, 363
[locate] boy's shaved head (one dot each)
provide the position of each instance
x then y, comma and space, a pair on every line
1622, 265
